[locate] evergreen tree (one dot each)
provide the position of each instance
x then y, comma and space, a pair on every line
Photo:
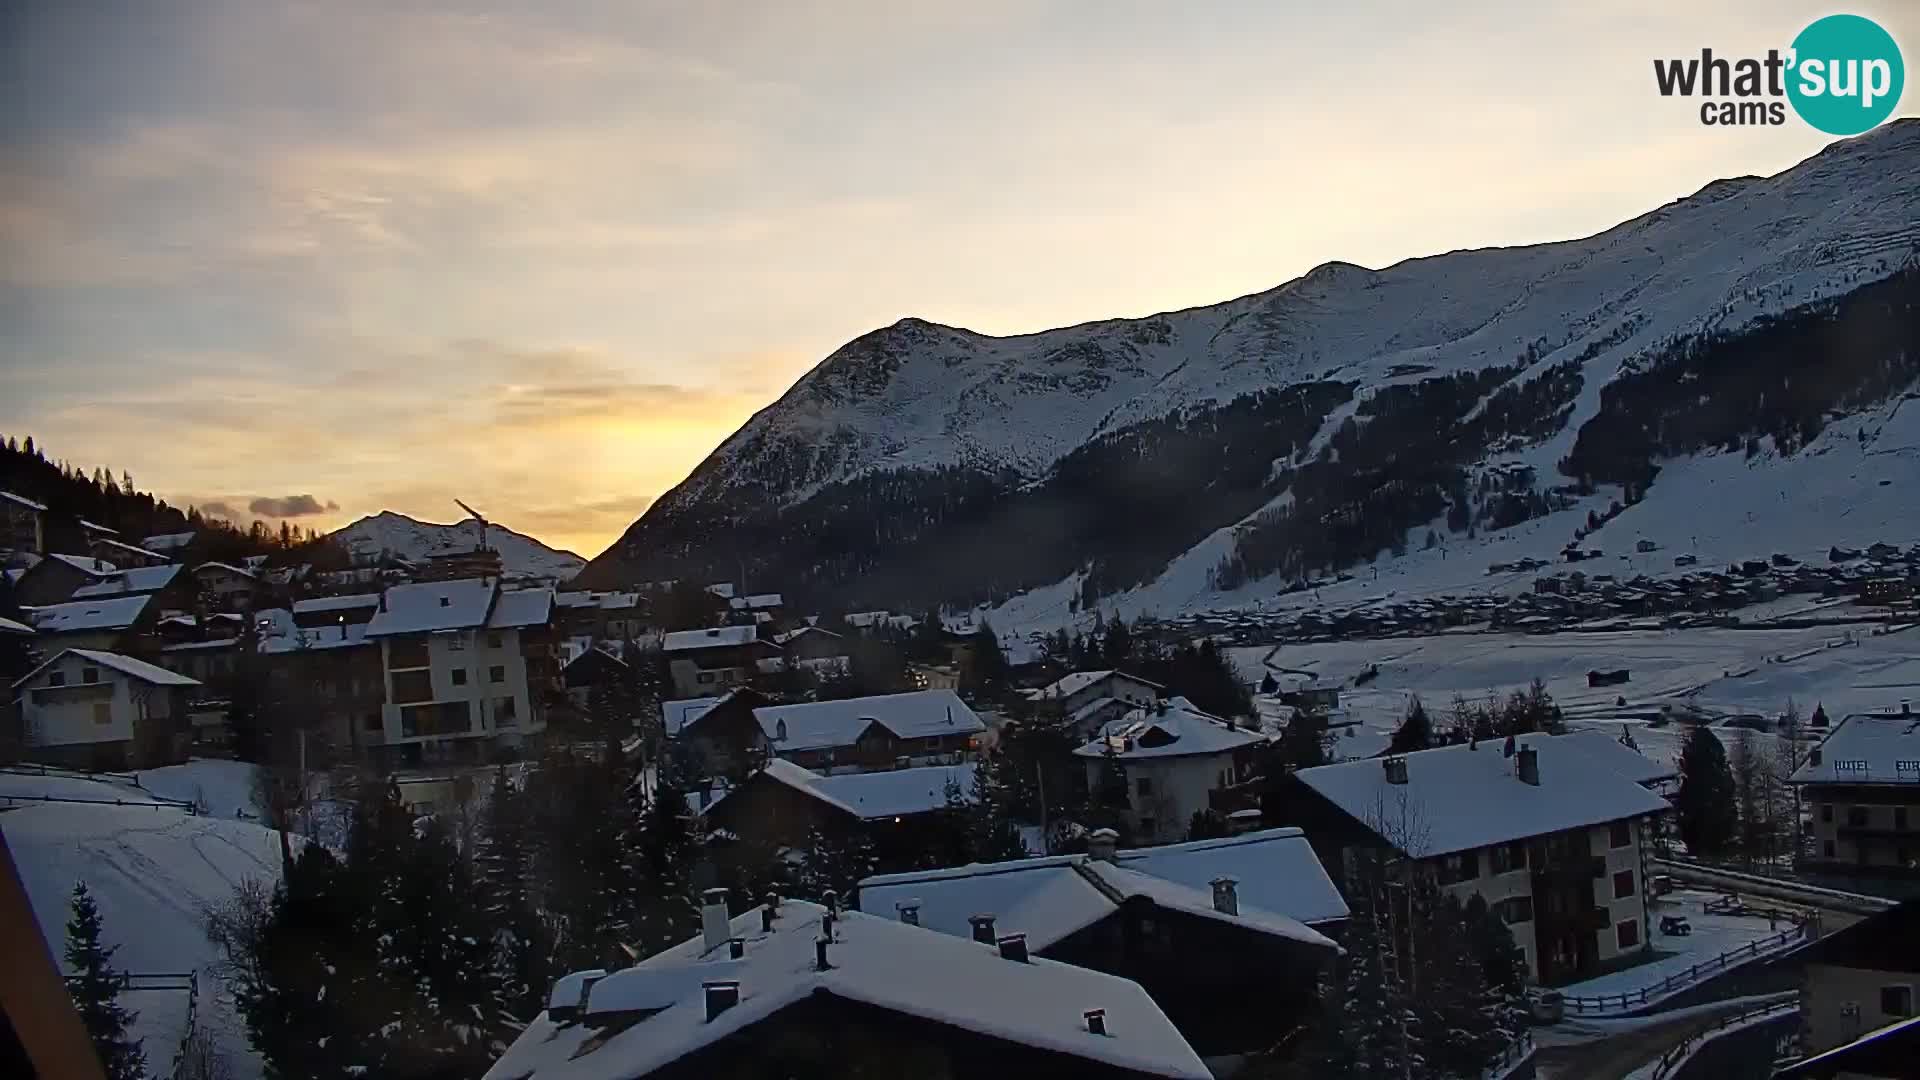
1501, 960
1206, 824
1705, 803
1415, 731
1360, 1029
1269, 685
833, 862
659, 862
992, 833
522, 944
990, 668
95, 986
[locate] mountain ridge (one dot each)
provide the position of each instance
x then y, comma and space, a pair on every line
410, 538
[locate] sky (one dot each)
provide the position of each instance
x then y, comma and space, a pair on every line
320, 259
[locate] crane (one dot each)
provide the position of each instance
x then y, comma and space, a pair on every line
482, 545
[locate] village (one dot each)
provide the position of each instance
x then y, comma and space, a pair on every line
1153, 849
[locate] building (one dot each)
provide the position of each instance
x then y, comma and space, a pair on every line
796, 989
757, 605
603, 616
22, 524
121, 624
1226, 935
165, 580
168, 544
1543, 829
55, 578
1170, 758
711, 661
1862, 786
811, 648
323, 664
1093, 699
121, 554
781, 804
454, 563
465, 666
100, 710
1860, 979
589, 668
318, 612
885, 731
227, 587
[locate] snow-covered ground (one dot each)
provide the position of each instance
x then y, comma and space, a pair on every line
1713, 935
152, 870
220, 788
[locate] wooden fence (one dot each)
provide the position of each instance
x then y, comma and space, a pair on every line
1680, 980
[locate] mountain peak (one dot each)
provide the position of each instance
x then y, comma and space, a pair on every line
399, 535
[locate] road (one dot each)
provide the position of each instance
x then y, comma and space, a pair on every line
1610, 1049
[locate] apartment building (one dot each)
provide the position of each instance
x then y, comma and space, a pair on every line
1862, 784
468, 667
1548, 832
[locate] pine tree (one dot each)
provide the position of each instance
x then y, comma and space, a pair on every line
522, 945
660, 850
95, 986
992, 834
1704, 805
833, 862
1415, 732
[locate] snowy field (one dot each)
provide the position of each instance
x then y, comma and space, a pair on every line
152, 868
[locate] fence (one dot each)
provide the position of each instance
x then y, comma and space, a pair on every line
1684, 1049
152, 802
188, 981
1516, 1052
28, 768
129, 779
1679, 980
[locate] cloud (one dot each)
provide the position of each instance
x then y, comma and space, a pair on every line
291, 506
219, 509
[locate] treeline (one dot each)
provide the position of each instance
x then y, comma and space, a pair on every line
1780, 378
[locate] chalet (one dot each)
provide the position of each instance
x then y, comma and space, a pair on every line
1226, 935
1615, 677
797, 989
1170, 757
90, 709
22, 524
675, 714
1549, 832
756, 605
113, 624
591, 667
228, 587
602, 616
1092, 699
168, 544
781, 804
1861, 978
923, 727
121, 554
55, 578
815, 649
712, 660
466, 664
1862, 784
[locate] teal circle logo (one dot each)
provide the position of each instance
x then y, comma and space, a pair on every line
1846, 74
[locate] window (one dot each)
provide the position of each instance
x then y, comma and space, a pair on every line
1857, 816
1896, 999
90, 675
1517, 909
1826, 812
504, 711
1507, 857
1623, 884
1620, 833
457, 643
1627, 933
493, 640
459, 676
1460, 866
706, 676
412, 686
56, 678
1143, 786
497, 673
103, 712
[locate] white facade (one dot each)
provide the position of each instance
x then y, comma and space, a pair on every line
85, 700
474, 683
1163, 793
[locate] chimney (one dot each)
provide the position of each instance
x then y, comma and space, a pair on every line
736, 948
1529, 766
1396, 768
982, 928
1014, 947
1101, 844
713, 919
766, 919
721, 996
1226, 895
820, 953
1096, 1021
1507, 751
909, 911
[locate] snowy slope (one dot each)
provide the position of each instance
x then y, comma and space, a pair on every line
407, 538
921, 397
152, 871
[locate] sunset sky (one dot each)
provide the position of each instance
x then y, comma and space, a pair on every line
543, 257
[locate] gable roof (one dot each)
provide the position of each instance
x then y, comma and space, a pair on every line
1608, 750
1884, 941
716, 637
8, 626
126, 665
1281, 886
871, 796
1867, 748
1069, 685
1175, 728
227, 568
161, 543
114, 614
875, 961
675, 715
788, 637
1462, 797
521, 607
138, 579
86, 564
817, 725
22, 500
427, 606
353, 602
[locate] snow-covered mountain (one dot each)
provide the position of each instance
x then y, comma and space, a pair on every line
403, 537
1347, 414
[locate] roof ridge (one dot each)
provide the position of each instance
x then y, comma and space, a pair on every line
1106, 888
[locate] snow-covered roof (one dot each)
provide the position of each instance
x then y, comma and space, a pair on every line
294, 639
874, 795
816, 725
1469, 796
756, 602
521, 607
86, 564
1608, 750
1174, 729
722, 589
138, 579
1867, 748
124, 546
96, 527
336, 603
126, 665
8, 626
873, 961
161, 543
426, 606
1069, 685
227, 568
1051, 898
22, 500
787, 638
675, 714
860, 620
715, 637
114, 614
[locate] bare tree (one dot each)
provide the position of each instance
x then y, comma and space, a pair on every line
200, 1059
1749, 794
